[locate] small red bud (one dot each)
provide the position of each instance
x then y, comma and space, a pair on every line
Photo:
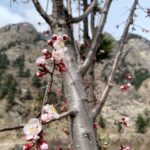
27, 146
95, 125
59, 147
46, 53
105, 146
50, 42
65, 37
40, 74
61, 69
54, 37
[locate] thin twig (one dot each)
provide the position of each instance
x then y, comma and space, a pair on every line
49, 86
142, 8
41, 11
108, 87
86, 13
47, 6
63, 115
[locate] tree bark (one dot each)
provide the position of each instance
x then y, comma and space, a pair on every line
82, 132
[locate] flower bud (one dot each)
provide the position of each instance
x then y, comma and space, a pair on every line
27, 146
41, 61
45, 117
50, 43
65, 37
54, 37
40, 74
46, 53
44, 145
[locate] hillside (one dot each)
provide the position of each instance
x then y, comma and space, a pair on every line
21, 92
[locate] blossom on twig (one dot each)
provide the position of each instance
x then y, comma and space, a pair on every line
32, 129
48, 113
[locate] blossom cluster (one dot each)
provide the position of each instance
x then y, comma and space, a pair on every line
34, 130
127, 84
122, 147
124, 121
57, 55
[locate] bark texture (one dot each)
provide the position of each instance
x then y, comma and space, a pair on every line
82, 132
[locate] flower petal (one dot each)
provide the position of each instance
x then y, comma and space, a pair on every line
34, 121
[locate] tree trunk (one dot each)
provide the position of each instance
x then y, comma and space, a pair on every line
82, 132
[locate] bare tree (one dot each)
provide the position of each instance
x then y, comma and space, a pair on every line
61, 22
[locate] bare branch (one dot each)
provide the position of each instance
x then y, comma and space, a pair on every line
47, 6
108, 87
63, 115
41, 11
98, 32
69, 8
92, 21
83, 16
2, 129
85, 23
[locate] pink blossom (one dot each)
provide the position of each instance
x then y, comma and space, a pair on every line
125, 121
127, 148
41, 61
45, 51
45, 117
59, 45
122, 147
48, 113
44, 146
105, 146
57, 55
32, 129
125, 86
66, 61
128, 77
60, 38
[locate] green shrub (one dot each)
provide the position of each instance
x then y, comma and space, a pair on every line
4, 62
19, 62
107, 44
36, 82
28, 95
142, 122
8, 87
102, 121
24, 73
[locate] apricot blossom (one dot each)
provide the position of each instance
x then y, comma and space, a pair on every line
32, 129
48, 113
